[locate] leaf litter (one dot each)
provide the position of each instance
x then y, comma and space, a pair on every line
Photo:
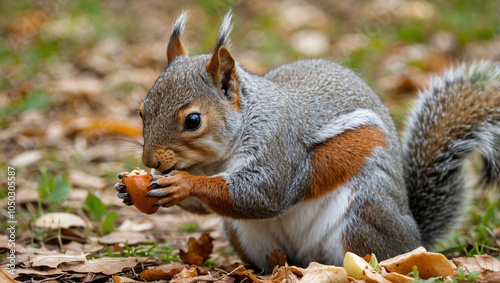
89, 100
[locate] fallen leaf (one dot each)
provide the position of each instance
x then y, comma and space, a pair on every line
488, 262
198, 251
158, 274
371, 276
428, 264
38, 272
24, 195
202, 278
131, 238
79, 86
135, 226
53, 261
26, 158
4, 277
487, 265
105, 265
4, 244
276, 258
85, 180
284, 274
121, 279
59, 220
489, 276
185, 273
396, 277
245, 274
317, 272
79, 247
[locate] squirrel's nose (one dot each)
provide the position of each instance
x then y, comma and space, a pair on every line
149, 160
160, 160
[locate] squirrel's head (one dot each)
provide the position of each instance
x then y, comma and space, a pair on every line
190, 113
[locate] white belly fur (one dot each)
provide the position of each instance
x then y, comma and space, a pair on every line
297, 234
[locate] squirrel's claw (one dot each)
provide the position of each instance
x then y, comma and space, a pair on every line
119, 186
156, 193
128, 202
120, 175
122, 195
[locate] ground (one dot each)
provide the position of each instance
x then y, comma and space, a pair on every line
74, 74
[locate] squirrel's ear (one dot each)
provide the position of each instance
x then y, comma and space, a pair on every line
175, 47
222, 68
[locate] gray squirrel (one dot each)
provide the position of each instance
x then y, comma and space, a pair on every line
306, 158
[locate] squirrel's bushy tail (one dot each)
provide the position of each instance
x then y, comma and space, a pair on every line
457, 114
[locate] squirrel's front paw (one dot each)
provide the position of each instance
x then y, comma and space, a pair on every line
120, 188
172, 189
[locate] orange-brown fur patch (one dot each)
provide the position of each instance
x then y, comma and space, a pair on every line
214, 193
141, 108
338, 159
175, 48
213, 67
224, 69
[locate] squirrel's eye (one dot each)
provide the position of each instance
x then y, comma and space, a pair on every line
193, 121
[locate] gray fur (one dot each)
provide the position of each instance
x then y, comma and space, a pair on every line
467, 100
269, 105
284, 115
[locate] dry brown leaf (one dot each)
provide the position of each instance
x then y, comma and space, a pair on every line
317, 272
105, 265
488, 262
428, 264
26, 158
172, 265
245, 274
284, 274
489, 276
85, 180
202, 278
53, 261
185, 273
276, 258
5, 278
57, 220
371, 276
396, 277
79, 247
4, 244
38, 271
158, 274
131, 238
198, 251
121, 279
477, 263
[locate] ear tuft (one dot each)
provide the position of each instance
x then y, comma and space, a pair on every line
175, 47
222, 66
225, 30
